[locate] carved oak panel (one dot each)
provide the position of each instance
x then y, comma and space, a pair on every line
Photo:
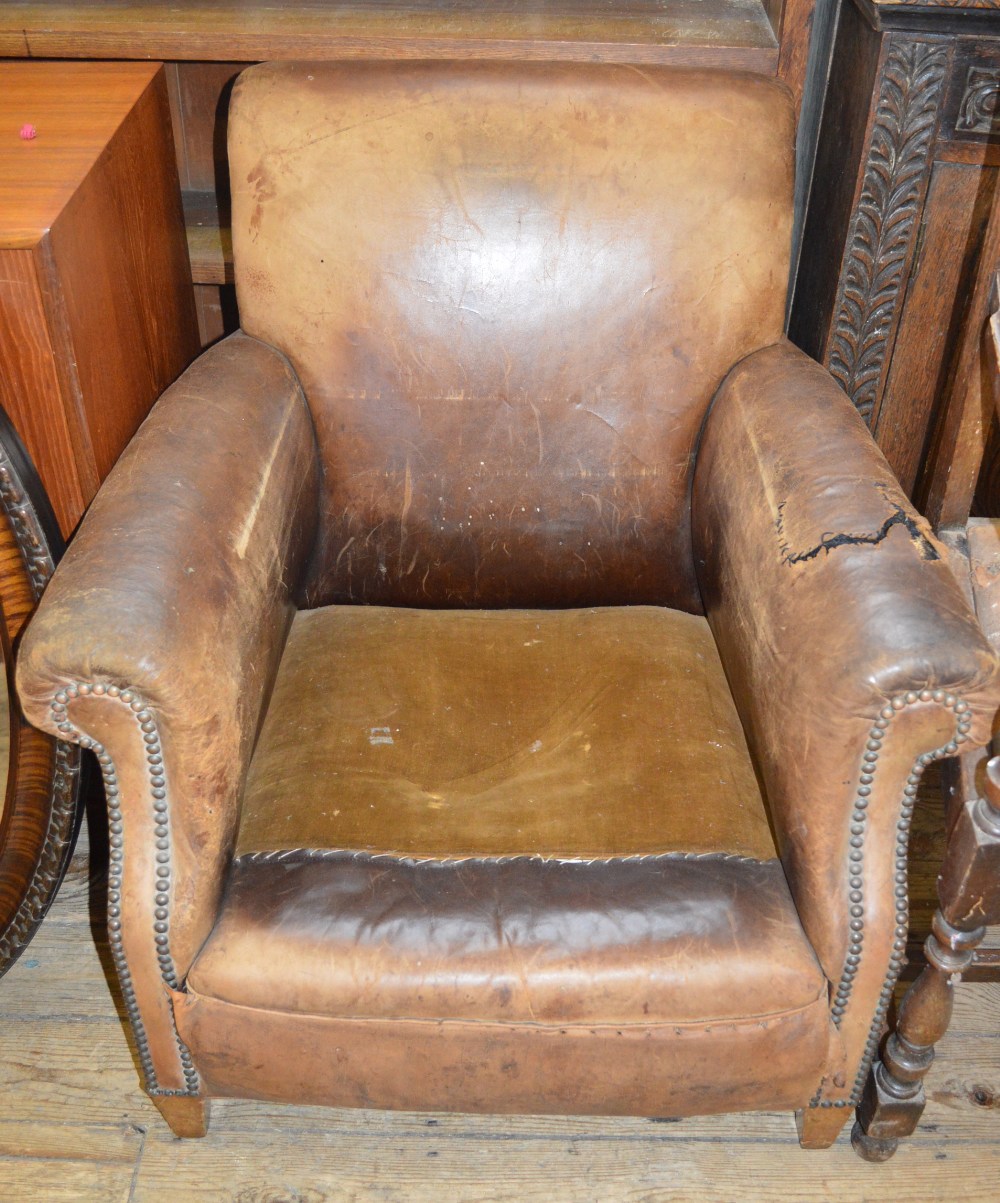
971, 111
881, 240
908, 148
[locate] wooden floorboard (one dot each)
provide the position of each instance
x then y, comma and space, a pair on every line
58, 1161
74, 1124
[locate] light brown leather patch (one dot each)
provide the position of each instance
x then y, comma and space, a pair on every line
580, 733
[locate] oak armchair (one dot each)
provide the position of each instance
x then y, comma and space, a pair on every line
510, 661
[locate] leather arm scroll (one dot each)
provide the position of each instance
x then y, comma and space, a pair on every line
159, 637
852, 654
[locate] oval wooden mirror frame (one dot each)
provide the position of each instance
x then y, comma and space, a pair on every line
41, 810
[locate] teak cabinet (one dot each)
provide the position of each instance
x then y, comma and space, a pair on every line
96, 309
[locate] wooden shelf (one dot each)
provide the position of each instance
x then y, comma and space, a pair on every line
210, 242
721, 33
207, 41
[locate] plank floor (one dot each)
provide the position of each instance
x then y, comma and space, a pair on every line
74, 1124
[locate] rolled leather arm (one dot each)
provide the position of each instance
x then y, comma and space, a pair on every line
158, 637
852, 654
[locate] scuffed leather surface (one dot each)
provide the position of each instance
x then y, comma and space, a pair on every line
510, 291
828, 595
642, 1069
655, 940
178, 585
576, 733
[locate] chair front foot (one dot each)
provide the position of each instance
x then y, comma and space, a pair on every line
819, 1127
870, 1147
187, 1115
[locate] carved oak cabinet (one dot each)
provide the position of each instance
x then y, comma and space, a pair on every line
894, 231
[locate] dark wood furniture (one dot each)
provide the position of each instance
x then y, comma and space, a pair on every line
894, 230
207, 42
39, 775
96, 310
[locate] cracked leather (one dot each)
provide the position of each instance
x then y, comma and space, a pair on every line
507, 293
816, 642
829, 542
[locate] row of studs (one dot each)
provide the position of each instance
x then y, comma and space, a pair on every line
964, 722
161, 926
154, 757
856, 860
859, 820
899, 941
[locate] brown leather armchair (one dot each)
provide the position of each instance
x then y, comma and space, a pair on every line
511, 662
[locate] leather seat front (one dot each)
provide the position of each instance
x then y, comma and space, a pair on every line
388, 891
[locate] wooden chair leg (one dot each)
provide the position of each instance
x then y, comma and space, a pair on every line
893, 1098
969, 893
186, 1115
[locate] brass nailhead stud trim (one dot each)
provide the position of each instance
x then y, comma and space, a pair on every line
855, 949
161, 927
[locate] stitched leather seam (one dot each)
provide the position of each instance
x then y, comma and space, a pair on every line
156, 772
858, 832
307, 855
637, 1025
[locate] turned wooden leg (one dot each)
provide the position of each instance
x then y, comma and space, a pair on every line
969, 893
893, 1098
186, 1116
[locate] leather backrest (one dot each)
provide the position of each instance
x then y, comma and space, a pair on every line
510, 291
